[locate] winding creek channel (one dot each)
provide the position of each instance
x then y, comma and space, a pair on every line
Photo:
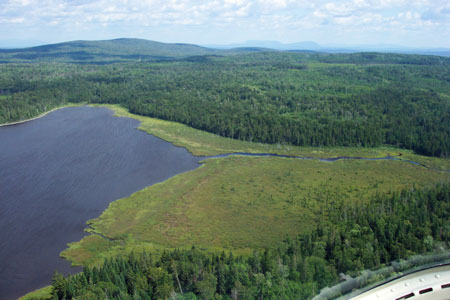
61, 170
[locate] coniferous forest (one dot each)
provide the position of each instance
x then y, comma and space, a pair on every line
304, 99
354, 238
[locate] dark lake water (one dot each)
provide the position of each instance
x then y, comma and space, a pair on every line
59, 171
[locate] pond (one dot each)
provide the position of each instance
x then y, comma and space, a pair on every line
61, 170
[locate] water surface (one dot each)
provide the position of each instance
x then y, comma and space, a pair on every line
61, 170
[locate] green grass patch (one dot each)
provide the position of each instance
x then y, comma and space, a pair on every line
40, 294
86, 248
241, 203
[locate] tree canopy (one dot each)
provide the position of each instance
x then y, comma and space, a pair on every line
366, 99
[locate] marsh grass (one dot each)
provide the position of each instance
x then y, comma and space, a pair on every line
241, 203
41, 294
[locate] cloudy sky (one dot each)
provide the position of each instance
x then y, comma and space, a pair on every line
416, 23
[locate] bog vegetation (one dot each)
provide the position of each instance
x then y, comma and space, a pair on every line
240, 204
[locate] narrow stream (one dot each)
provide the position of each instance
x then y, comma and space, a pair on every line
332, 159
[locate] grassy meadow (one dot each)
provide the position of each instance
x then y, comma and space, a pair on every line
240, 203
41, 294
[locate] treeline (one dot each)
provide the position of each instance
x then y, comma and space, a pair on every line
345, 240
383, 58
401, 124
262, 97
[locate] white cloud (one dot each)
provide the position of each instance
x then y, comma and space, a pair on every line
12, 20
277, 17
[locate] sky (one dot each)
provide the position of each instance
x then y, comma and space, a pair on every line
411, 23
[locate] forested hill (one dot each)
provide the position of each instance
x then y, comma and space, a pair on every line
112, 51
305, 99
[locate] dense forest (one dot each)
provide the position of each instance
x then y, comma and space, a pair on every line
306, 99
348, 239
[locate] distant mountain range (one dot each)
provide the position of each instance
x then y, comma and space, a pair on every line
125, 49
335, 48
116, 50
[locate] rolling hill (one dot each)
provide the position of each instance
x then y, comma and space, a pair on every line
111, 51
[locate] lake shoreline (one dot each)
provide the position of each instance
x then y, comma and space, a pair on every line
42, 115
